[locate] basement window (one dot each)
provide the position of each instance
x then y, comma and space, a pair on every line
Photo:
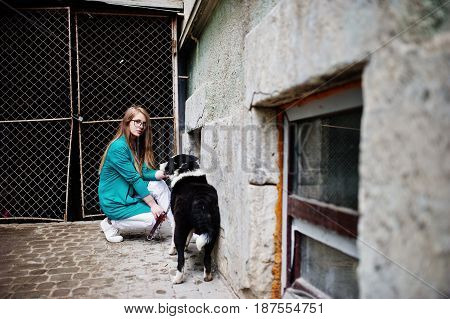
324, 137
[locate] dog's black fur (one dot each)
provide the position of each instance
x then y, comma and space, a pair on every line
195, 208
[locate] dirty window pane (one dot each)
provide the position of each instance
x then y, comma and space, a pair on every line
328, 269
325, 161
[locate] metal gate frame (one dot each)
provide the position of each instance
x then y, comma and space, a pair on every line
176, 146
70, 62
39, 120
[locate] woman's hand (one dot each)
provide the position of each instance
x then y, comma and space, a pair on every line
160, 175
157, 210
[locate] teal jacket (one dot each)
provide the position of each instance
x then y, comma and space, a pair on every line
121, 187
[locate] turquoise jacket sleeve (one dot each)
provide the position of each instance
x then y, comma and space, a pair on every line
122, 163
148, 174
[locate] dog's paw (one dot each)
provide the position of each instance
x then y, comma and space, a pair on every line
172, 251
207, 276
179, 278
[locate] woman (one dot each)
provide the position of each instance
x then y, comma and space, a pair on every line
132, 193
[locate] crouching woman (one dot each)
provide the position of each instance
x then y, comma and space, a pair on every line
132, 193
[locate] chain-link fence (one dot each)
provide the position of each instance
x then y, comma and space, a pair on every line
122, 60
326, 153
35, 113
117, 59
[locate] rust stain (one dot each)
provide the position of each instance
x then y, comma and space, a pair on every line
276, 270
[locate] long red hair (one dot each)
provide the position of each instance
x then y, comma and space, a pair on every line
141, 148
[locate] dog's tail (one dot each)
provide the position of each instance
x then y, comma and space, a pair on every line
202, 240
205, 215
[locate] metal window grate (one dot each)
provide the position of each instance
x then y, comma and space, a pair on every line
122, 60
35, 113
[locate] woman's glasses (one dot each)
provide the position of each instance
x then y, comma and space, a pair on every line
139, 123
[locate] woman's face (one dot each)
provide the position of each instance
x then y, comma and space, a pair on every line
138, 125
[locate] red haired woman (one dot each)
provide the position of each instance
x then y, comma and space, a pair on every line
132, 193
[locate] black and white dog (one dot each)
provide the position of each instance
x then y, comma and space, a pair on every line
195, 209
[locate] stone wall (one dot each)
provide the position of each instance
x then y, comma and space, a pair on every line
405, 172
255, 54
238, 153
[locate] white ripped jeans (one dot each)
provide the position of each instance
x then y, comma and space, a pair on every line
144, 222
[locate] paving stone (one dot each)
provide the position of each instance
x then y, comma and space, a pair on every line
60, 293
23, 287
82, 292
52, 265
26, 295
30, 256
68, 284
78, 262
81, 275
60, 277
65, 270
69, 264
5, 281
98, 282
13, 273
29, 267
51, 260
30, 279
38, 272
45, 286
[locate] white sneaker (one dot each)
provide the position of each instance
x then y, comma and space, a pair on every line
111, 233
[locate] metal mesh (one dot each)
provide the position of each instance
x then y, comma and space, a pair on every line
94, 139
33, 169
326, 164
35, 87
163, 140
35, 67
123, 60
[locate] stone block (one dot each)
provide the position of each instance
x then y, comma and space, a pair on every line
301, 43
195, 108
405, 172
229, 158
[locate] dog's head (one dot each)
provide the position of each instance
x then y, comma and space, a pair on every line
180, 164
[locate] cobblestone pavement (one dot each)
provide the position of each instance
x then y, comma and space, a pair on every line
73, 260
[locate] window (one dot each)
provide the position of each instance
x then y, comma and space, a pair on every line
322, 205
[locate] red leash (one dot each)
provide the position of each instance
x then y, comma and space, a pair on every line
159, 220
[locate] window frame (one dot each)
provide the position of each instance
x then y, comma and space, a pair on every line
305, 216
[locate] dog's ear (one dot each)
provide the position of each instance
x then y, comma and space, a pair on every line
162, 166
192, 158
193, 163
169, 168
